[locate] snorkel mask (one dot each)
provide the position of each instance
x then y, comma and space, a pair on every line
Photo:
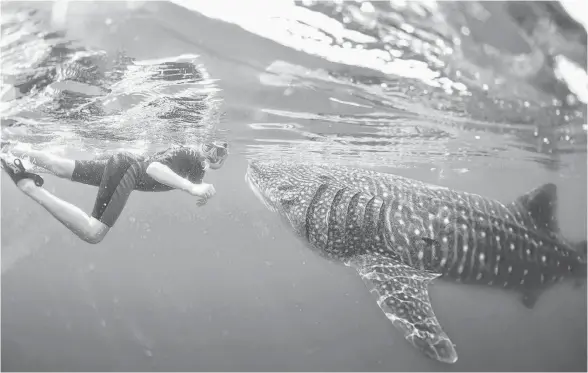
216, 153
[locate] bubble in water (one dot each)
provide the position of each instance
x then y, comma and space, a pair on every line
367, 7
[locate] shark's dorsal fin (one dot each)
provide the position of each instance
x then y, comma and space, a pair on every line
541, 205
403, 296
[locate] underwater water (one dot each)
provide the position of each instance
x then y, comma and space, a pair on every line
484, 97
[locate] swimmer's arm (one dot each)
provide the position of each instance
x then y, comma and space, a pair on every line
165, 175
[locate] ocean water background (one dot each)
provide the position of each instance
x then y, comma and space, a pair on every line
484, 97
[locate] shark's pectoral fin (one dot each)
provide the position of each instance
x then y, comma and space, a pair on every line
403, 296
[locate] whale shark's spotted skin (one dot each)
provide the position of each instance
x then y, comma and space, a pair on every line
400, 234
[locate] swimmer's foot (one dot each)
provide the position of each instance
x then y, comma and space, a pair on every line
17, 172
5, 146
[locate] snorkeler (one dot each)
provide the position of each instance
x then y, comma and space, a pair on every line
116, 177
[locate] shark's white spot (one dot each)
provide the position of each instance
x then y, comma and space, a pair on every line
509, 269
460, 269
465, 248
482, 257
525, 272
497, 238
510, 229
401, 222
463, 226
496, 269
483, 234
479, 276
446, 221
444, 239
529, 252
543, 258
512, 247
417, 232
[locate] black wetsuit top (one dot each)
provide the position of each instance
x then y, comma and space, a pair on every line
184, 161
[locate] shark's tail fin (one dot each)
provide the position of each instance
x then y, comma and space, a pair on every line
582, 248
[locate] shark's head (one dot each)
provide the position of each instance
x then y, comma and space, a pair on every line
284, 188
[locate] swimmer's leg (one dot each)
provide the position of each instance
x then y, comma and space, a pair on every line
86, 171
118, 181
85, 227
59, 166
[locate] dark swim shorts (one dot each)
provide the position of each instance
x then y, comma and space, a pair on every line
115, 177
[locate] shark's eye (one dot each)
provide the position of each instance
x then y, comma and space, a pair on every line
288, 202
284, 187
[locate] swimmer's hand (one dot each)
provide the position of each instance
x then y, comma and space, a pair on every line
203, 192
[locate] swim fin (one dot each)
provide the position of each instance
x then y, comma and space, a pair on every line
18, 172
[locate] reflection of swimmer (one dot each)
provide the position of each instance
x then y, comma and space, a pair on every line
116, 177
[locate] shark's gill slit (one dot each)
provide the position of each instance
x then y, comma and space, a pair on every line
353, 223
368, 228
383, 240
311, 220
334, 225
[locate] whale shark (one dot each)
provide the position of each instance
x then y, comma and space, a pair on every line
400, 234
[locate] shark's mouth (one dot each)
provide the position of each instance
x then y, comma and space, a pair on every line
257, 190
